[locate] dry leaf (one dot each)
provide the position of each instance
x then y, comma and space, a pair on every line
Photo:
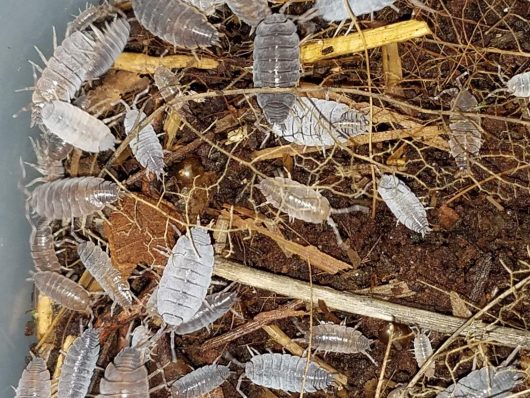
447, 217
459, 306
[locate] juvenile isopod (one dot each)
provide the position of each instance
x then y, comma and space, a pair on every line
79, 365
200, 382
402, 202
42, 247
50, 168
276, 64
76, 127
252, 12
98, 263
35, 381
519, 85
287, 373
89, 16
176, 22
185, 280
317, 122
484, 383
423, 350
214, 307
63, 291
339, 338
126, 377
72, 197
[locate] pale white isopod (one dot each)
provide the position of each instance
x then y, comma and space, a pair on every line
35, 381
423, 350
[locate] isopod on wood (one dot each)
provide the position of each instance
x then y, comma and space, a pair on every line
176, 22
200, 382
76, 127
214, 307
126, 377
276, 64
42, 247
72, 197
186, 277
317, 122
423, 350
35, 381
63, 291
98, 263
252, 12
403, 204
287, 373
79, 365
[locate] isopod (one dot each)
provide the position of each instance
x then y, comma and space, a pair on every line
63, 291
35, 381
402, 202
276, 64
422, 351
79, 365
98, 263
50, 167
519, 85
76, 127
484, 383
145, 147
176, 22
316, 122
200, 382
42, 247
287, 372
72, 197
337, 10
167, 83
339, 338
215, 306
89, 16
126, 377
185, 280
252, 12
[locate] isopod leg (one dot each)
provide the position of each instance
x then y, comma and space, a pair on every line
333, 226
350, 209
238, 386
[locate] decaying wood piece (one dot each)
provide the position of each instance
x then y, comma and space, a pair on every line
368, 306
141, 63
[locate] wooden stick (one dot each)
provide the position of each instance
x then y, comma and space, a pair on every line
368, 306
141, 63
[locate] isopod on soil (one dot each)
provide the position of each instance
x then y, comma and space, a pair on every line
287, 373
35, 381
317, 122
98, 263
177, 22
72, 197
79, 365
339, 338
76, 127
276, 64
126, 377
200, 382
422, 351
252, 12
63, 291
402, 202
186, 277
519, 85
214, 307
42, 247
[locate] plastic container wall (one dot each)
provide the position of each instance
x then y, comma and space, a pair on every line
22, 25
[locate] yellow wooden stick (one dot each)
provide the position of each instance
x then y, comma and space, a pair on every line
43, 315
141, 63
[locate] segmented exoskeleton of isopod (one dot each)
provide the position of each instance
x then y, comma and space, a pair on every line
64, 73
50, 168
126, 377
63, 291
252, 12
176, 22
42, 247
402, 202
317, 122
287, 373
519, 85
423, 350
72, 197
77, 127
200, 382
337, 10
89, 16
484, 383
98, 263
145, 147
208, 7
185, 280
214, 307
35, 381
276, 64
339, 338
79, 365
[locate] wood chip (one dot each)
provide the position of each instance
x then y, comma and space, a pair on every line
459, 306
